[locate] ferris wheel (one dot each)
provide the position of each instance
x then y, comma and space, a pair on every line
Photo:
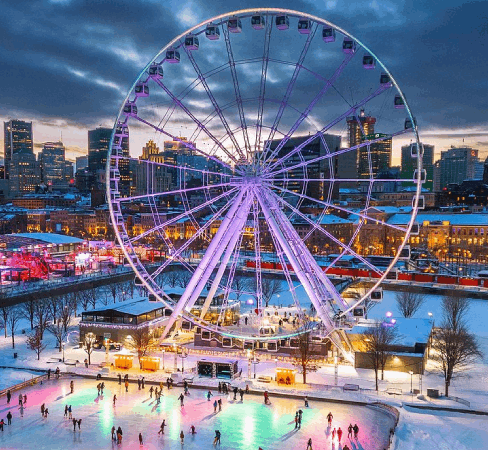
279, 110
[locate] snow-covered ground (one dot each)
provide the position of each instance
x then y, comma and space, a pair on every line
244, 425
417, 429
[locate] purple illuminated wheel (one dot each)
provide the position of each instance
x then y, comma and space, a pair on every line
263, 186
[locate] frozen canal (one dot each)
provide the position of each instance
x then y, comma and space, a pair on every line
248, 425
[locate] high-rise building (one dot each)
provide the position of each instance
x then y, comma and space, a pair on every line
149, 151
409, 164
149, 177
98, 146
17, 140
379, 152
24, 172
457, 165
81, 162
321, 169
52, 163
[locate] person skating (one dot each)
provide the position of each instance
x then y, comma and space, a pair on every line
9, 418
299, 421
309, 444
115, 398
102, 387
46, 412
187, 391
126, 386
220, 387
215, 404
182, 437
266, 397
193, 430
57, 373
141, 442
356, 430
9, 396
114, 435
151, 390
334, 434
161, 428
70, 412
20, 399
66, 411
306, 402
74, 424
247, 389
139, 383
72, 385
349, 431
79, 424
43, 408
48, 374
168, 383
339, 435
21, 407
296, 420
2, 423
329, 418
181, 398
217, 437
241, 393
235, 393
209, 394
25, 400
120, 379
119, 435
345, 447
219, 401
98, 388
142, 383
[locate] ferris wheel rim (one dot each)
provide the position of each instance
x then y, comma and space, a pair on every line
273, 12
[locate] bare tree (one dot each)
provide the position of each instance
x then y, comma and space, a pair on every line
239, 285
57, 330
13, 321
88, 345
305, 361
41, 316
66, 311
377, 342
88, 297
408, 303
34, 342
141, 341
184, 278
5, 310
270, 288
27, 310
172, 278
455, 349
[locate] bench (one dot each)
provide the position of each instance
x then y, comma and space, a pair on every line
265, 379
394, 391
350, 387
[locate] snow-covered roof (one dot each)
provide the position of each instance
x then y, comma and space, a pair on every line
410, 331
135, 307
50, 238
452, 218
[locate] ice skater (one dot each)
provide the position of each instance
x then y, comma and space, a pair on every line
120, 379
241, 393
182, 437
306, 402
296, 420
142, 383
126, 385
66, 411
25, 400
72, 386
209, 394
119, 435
349, 431
309, 444
219, 401
329, 419
46, 412
333, 434
139, 383
215, 404
2, 423
114, 435
181, 398
266, 398
70, 412
339, 435
220, 387
9, 396
79, 424
74, 424
9, 418
20, 399
217, 437
161, 428
356, 430
141, 442
235, 393
43, 408
151, 390
115, 398
21, 407
102, 387
193, 430
98, 388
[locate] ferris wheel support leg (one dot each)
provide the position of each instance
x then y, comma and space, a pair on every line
207, 264
304, 265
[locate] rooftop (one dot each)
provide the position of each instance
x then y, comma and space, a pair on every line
134, 306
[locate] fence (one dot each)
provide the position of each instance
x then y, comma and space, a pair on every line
24, 384
460, 400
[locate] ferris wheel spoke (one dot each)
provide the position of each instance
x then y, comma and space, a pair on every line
192, 117
175, 192
339, 208
212, 99
351, 110
200, 231
327, 234
185, 143
182, 215
329, 155
237, 90
289, 90
309, 108
262, 86
257, 253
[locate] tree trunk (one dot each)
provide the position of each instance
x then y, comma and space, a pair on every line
13, 340
304, 376
447, 388
89, 359
376, 378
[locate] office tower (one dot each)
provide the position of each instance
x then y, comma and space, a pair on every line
17, 140
409, 164
317, 170
457, 165
81, 162
52, 163
149, 151
24, 173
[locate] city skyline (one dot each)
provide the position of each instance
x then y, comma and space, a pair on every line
85, 68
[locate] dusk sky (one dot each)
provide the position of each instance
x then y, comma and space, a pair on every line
67, 65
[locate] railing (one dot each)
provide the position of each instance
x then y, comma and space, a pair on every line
24, 384
460, 400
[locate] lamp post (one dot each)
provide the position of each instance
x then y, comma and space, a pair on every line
183, 355
176, 358
163, 359
411, 381
249, 364
63, 350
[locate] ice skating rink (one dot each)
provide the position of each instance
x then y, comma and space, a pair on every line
245, 425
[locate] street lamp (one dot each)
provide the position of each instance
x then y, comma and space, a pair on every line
411, 381
249, 364
63, 350
163, 359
